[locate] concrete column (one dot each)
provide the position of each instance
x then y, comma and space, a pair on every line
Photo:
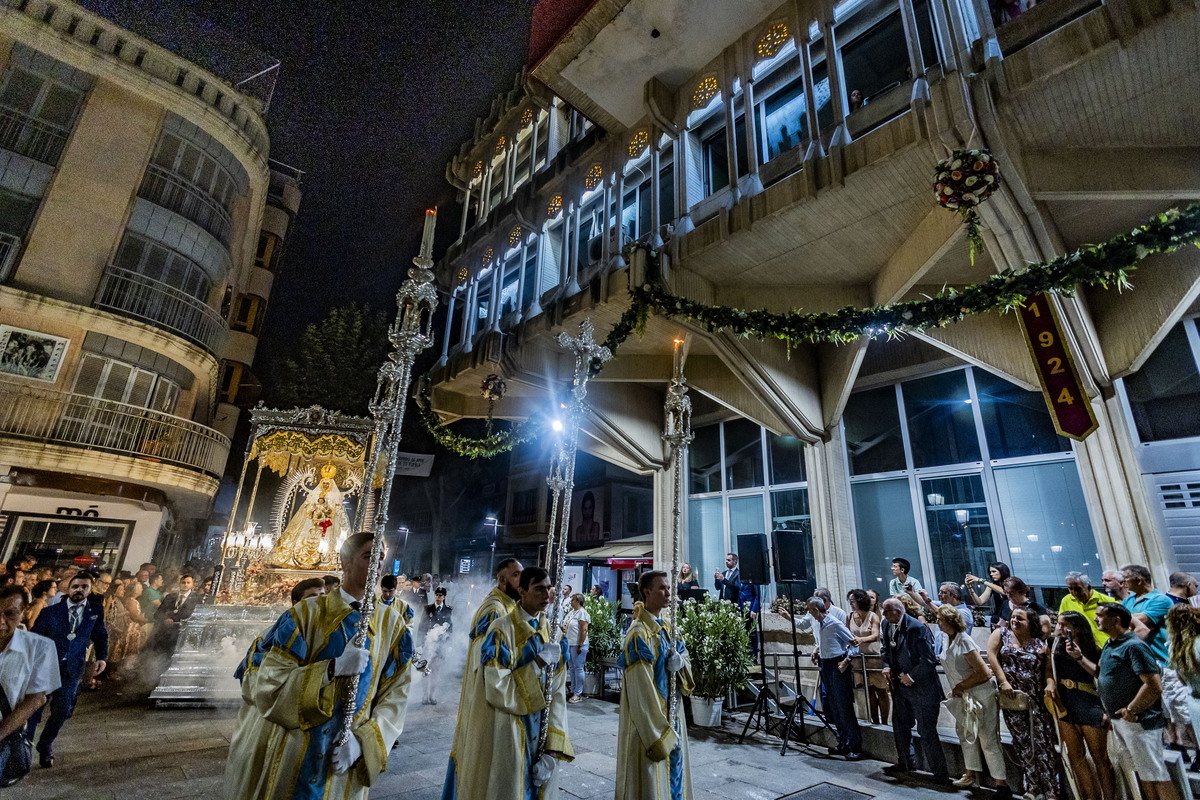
521, 276
620, 189
837, 98
485, 193
727, 107
573, 251
916, 63
537, 118
449, 324
1123, 519
834, 548
466, 212
815, 149
497, 284
535, 307
564, 266
753, 180
469, 316
552, 122
683, 215
656, 240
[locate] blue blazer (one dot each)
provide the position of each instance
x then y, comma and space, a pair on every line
54, 624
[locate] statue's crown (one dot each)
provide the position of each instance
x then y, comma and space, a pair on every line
328, 471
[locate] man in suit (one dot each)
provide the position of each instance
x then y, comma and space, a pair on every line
72, 625
729, 582
911, 668
175, 608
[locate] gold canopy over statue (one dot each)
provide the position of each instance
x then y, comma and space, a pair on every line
321, 457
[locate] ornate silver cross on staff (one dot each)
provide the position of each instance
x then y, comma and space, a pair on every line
677, 433
562, 482
411, 333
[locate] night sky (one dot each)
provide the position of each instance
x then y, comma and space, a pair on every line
372, 100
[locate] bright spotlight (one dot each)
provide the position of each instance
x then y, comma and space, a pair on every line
557, 424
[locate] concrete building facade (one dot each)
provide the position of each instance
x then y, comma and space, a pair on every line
781, 156
140, 228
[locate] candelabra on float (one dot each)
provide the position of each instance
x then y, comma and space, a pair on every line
243, 548
411, 333
678, 435
562, 482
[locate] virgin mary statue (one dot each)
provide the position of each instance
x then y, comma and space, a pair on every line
316, 531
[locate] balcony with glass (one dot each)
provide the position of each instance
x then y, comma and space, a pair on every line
80, 421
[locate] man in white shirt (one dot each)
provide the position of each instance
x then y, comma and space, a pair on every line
28, 667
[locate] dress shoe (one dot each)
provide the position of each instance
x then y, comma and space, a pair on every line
840, 750
896, 770
965, 781
46, 760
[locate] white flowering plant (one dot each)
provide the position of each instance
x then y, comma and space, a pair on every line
719, 645
604, 639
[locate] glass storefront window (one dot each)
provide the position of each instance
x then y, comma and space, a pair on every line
787, 458
960, 531
745, 515
1046, 521
1015, 421
743, 455
873, 440
1165, 393
789, 510
941, 424
885, 528
706, 538
56, 544
704, 460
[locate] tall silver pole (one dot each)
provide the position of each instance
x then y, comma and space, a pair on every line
411, 333
677, 434
562, 483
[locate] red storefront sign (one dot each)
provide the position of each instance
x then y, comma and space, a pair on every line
1069, 405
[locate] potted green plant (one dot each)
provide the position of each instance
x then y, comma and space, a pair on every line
604, 640
719, 646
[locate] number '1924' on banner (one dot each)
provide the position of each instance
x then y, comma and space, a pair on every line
1069, 406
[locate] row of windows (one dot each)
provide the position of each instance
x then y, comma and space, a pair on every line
109, 379
36, 115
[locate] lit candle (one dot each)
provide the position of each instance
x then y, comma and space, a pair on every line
427, 235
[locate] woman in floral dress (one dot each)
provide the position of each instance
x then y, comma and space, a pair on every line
1018, 658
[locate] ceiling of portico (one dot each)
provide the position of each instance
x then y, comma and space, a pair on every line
609, 54
844, 235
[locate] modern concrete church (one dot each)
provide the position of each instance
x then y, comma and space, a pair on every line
781, 156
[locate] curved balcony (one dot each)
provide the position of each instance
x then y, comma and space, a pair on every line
165, 188
31, 137
77, 420
134, 295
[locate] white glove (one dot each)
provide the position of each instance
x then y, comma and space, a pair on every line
344, 755
674, 662
543, 769
352, 661
551, 654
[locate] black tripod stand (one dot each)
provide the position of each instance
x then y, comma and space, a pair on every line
761, 708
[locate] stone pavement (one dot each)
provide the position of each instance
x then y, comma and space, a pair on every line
121, 747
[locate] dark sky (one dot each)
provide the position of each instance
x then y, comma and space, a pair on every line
372, 100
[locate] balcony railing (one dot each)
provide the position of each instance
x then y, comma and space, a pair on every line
170, 191
9, 245
31, 137
77, 420
164, 306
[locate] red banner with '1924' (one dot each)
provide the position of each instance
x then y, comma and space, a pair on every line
1069, 406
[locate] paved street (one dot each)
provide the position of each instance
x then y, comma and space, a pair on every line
116, 748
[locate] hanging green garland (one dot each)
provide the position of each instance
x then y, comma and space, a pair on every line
1104, 265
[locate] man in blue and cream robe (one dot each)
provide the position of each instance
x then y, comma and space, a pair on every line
286, 747
499, 602
652, 756
504, 733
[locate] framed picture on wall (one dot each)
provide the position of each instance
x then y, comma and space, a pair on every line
31, 354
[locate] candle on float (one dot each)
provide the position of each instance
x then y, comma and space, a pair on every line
427, 234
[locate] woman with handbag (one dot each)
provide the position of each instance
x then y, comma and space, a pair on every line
28, 673
1072, 698
1018, 658
973, 703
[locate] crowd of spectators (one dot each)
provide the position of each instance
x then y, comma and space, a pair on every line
1091, 692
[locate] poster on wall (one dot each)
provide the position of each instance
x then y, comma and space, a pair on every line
30, 354
587, 516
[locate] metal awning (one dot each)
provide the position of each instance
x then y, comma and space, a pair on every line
629, 552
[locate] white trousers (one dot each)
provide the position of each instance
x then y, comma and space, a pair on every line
987, 746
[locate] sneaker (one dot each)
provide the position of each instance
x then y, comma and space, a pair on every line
965, 781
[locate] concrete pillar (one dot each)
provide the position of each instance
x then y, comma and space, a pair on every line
446, 335
837, 97
656, 222
469, 316
466, 212
815, 149
497, 284
834, 548
537, 118
683, 217
573, 251
535, 307
753, 182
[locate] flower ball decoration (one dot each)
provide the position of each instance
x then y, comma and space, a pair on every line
962, 182
492, 388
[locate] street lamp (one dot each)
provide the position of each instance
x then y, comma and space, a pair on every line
494, 523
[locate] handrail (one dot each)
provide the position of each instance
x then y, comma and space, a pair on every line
165, 188
135, 295
30, 136
77, 420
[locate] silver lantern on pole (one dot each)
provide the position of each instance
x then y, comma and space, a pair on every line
677, 434
562, 482
411, 333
